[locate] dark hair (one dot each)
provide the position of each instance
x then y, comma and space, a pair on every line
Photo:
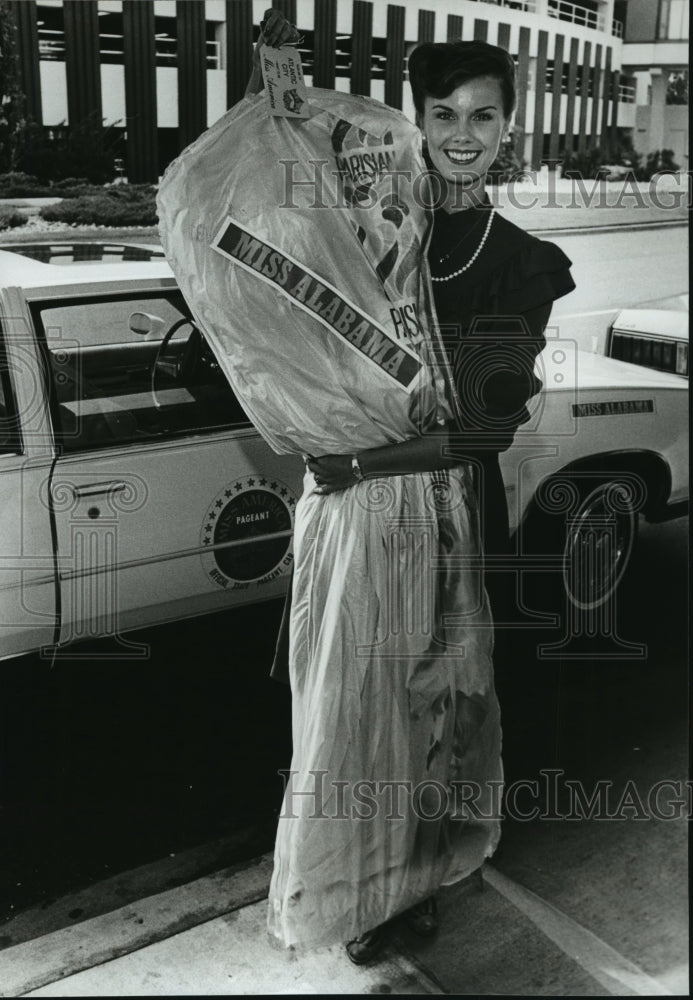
438, 68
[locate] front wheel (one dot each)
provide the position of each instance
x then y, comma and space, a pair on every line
585, 525
599, 539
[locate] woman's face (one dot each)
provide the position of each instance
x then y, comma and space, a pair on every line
464, 131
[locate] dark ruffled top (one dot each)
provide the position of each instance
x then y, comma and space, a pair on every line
514, 273
493, 317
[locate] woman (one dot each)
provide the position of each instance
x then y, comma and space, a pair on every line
435, 720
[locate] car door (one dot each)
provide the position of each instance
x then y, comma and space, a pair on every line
167, 502
28, 596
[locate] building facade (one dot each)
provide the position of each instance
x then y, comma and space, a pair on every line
164, 70
655, 55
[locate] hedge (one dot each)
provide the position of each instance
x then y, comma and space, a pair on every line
10, 218
119, 205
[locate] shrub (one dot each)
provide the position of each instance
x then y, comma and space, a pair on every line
596, 163
660, 160
21, 185
72, 187
104, 209
9, 218
584, 165
130, 192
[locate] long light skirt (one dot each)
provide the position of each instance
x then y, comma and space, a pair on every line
396, 772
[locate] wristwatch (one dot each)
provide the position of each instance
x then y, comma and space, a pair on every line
356, 468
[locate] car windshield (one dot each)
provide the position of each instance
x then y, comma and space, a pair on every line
86, 253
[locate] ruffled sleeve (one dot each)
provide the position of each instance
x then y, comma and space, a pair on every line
537, 275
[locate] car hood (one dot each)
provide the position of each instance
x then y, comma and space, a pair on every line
655, 323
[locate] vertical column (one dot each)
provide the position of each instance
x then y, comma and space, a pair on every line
394, 56
539, 99
362, 40
480, 30
239, 48
606, 97
192, 70
584, 98
557, 90
139, 58
522, 84
24, 14
454, 28
572, 89
596, 83
658, 102
613, 132
82, 62
324, 44
504, 36
427, 25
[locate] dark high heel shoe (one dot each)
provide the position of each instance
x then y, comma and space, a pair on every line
365, 947
422, 918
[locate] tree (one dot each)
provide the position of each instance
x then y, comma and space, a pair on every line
677, 90
12, 101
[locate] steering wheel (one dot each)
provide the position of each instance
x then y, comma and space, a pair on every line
182, 369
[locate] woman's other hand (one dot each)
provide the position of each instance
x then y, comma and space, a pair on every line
275, 31
332, 472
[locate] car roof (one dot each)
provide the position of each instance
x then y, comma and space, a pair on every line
35, 265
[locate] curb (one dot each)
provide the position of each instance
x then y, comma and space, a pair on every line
48, 961
33, 964
610, 228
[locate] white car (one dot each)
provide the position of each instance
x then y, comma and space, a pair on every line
135, 490
655, 336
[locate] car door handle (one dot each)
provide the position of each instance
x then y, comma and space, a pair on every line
97, 489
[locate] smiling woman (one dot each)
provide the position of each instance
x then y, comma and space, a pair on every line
463, 109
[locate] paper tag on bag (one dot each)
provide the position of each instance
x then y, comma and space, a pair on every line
283, 77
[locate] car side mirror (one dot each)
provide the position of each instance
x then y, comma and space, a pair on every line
144, 323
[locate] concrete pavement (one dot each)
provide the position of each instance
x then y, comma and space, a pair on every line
208, 937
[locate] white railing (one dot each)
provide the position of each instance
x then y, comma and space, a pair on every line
529, 5
626, 93
52, 46
576, 14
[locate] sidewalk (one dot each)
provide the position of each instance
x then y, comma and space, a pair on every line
546, 202
209, 937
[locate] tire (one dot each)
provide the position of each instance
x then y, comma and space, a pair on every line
586, 524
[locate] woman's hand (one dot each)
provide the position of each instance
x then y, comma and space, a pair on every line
332, 472
275, 31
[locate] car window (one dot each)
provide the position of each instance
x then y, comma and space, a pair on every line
9, 421
131, 369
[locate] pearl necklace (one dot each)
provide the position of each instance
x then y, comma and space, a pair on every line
461, 270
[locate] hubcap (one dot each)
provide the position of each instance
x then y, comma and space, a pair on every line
598, 544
